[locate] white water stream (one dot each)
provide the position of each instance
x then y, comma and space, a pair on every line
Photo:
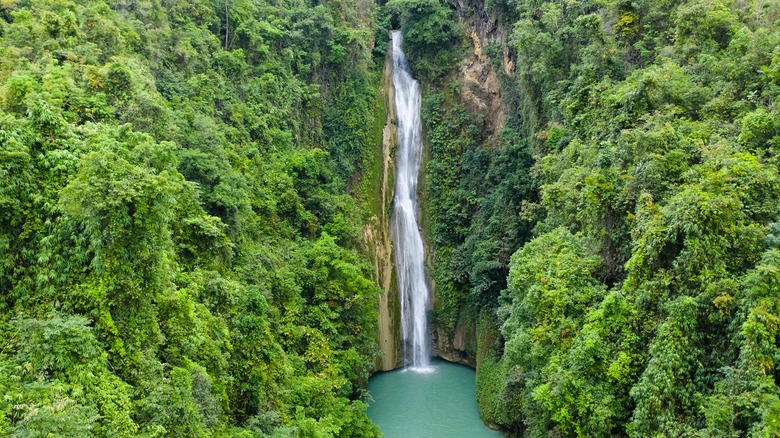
409, 252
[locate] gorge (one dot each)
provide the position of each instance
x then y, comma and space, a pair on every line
421, 400
197, 199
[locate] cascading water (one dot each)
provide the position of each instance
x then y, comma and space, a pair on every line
409, 252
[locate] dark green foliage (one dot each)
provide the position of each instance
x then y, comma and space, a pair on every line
60, 382
177, 247
177, 238
638, 181
550, 289
474, 195
432, 35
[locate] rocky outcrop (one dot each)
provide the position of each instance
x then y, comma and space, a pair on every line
479, 83
458, 344
377, 233
479, 79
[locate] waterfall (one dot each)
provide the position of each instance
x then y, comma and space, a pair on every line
408, 245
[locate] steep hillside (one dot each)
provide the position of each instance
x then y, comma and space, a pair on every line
194, 205
177, 236
610, 212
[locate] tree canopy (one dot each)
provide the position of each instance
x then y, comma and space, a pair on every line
636, 183
178, 246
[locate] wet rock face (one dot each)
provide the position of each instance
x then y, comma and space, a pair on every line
456, 345
480, 90
377, 234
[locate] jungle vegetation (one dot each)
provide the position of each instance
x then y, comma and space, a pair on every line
181, 200
620, 242
178, 227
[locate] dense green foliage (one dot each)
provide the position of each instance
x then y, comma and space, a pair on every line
432, 35
177, 248
640, 165
178, 240
474, 196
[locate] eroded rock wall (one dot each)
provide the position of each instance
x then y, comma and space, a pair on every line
377, 234
479, 79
